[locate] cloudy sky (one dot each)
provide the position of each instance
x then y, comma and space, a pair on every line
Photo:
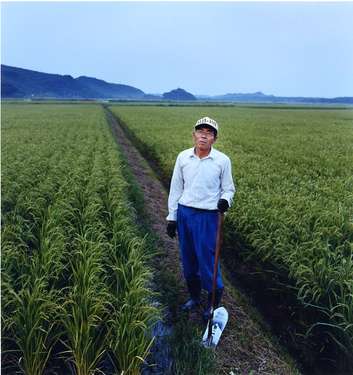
288, 49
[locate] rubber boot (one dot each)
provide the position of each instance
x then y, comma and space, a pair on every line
194, 287
218, 296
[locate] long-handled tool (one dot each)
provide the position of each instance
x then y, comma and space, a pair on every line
219, 317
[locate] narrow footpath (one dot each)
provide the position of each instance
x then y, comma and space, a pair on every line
245, 347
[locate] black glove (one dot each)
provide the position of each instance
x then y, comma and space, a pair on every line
171, 228
222, 205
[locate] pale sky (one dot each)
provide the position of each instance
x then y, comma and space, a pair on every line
284, 49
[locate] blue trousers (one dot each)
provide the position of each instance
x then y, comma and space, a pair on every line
197, 232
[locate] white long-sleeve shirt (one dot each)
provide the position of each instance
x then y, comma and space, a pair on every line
200, 183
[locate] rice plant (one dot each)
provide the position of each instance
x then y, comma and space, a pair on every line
294, 206
65, 216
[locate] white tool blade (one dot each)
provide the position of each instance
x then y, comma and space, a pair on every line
220, 319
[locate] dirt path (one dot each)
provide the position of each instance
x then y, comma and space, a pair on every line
245, 348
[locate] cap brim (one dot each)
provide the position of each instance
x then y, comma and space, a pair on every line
205, 125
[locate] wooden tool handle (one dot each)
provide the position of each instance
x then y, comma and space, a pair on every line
215, 268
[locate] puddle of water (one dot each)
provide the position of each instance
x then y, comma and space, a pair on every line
160, 360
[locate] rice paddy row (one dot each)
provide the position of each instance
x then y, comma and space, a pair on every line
74, 273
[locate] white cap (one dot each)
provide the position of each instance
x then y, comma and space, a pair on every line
207, 121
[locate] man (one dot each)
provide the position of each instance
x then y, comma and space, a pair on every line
201, 187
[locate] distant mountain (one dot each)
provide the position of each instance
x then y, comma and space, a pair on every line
153, 97
259, 97
178, 94
110, 90
25, 83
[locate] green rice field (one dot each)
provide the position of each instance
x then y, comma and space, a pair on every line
294, 205
74, 273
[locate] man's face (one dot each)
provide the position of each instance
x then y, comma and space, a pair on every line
204, 137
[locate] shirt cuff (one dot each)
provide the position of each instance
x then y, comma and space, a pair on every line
172, 216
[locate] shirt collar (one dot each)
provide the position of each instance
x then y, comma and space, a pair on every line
210, 155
